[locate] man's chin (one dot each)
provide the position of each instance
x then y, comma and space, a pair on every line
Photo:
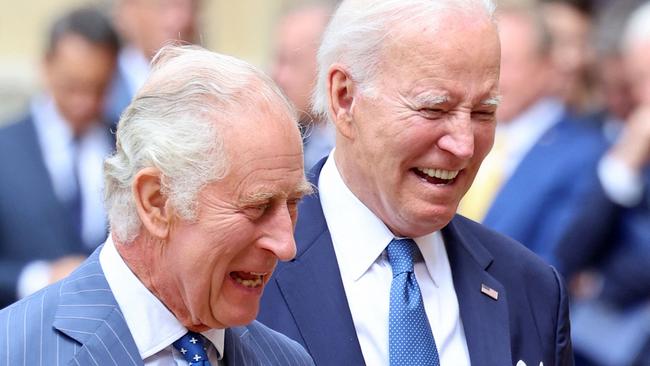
421, 224
240, 317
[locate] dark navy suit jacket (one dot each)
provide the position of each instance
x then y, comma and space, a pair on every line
34, 224
537, 203
614, 239
305, 298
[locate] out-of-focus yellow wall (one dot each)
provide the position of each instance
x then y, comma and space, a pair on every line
242, 28
23, 24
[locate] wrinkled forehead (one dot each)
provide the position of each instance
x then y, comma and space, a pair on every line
450, 29
447, 45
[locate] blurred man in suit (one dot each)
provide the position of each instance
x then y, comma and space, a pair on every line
606, 255
386, 273
543, 161
50, 193
294, 69
145, 26
201, 196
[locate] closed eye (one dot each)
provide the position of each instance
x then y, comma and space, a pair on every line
432, 113
483, 115
256, 211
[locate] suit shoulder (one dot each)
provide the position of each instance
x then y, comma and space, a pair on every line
12, 136
584, 135
279, 344
30, 316
15, 127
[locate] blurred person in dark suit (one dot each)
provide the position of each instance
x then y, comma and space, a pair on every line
606, 255
543, 161
51, 161
144, 27
294, 68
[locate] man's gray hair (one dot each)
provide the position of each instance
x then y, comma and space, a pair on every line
173, 124
637, 28
359, 28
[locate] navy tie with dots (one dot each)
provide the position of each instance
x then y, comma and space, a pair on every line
410, 338
192, 348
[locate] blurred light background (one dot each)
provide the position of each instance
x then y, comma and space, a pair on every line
242, 28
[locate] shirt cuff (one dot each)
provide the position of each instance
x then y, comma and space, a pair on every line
621, 184
34, 276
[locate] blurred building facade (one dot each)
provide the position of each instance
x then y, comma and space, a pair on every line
241, 28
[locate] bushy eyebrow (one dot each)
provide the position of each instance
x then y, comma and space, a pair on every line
302, 189
257, 197
492, 101
430, 100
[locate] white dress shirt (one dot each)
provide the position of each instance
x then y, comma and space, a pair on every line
522, 133
360, 240
55, 139
134, 66
153, 327
622, 184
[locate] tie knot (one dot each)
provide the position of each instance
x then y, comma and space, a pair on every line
401, 255
192, 348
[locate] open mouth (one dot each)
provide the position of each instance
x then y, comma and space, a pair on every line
436, 176
249, 279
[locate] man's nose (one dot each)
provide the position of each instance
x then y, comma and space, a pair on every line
459, 138
278, 235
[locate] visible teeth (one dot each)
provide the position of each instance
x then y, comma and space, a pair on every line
439, 173
250, 283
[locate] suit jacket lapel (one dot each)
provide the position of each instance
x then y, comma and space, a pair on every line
504, 214
89, 314
41, 189
485, 320
311, 284
237, 348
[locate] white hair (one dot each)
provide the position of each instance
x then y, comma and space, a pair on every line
637, 28
172, 124
358, 29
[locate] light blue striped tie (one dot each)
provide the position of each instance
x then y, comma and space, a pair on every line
410, 339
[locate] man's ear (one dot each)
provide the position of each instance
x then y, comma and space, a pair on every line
152, 205
341, 95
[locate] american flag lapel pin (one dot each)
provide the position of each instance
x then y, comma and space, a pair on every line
486, 290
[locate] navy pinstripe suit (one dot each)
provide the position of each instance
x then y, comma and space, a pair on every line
78, 322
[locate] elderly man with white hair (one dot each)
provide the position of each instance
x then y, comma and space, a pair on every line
386, 273
201, 197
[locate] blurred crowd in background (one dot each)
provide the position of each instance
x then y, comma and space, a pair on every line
568, 176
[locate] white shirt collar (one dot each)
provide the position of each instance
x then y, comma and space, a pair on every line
48, 121
134, 65
522, 133
358, 235
151, 324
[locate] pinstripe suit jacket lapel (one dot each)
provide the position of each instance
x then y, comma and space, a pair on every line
256, 344
237, 346
88, 313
